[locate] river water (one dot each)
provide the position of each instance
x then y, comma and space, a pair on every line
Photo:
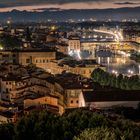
119, 63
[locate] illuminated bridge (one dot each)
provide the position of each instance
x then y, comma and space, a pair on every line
102, 34
91, 44
112, 45
117, 34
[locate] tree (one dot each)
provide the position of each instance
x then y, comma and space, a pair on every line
99, 133
7, 131
10, 42
47, 126
105, 133
121, 82
28, 34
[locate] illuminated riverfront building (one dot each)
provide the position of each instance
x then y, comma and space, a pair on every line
74, 46
74, 43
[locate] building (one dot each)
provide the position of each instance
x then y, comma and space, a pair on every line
7, 117
28, 83
63, 48
49, 103
74, 43
39, 58
25, 57
137, 39
83, 67
69, 86
109, 99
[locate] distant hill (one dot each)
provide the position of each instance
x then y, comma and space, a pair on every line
59, 15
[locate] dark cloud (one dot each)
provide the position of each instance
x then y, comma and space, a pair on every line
14, 3
126, 3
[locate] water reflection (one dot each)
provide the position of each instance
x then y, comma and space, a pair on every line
120, 63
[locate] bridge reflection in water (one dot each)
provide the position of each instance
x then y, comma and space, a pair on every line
115, 56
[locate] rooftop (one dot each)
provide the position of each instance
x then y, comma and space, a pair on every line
29, 50
7, 114
114, 95
73, 81
80, 63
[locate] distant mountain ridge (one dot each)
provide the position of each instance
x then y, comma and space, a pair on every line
62, 15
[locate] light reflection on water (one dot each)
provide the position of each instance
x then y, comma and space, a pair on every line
118, 63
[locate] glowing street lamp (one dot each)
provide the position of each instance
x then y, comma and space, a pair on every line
8, 22
53, 28
115, 72
131, 72
1, 47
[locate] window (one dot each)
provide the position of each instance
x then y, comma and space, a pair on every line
27, 60
71, 101
36, 61
6, 90
14, 55
14, 61
43, 60
5, 55
77, 101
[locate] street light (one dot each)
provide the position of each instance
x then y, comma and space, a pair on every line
130, 72
1, 47
53, 28
8, 22
115, 72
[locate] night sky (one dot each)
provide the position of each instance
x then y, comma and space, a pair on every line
8, 5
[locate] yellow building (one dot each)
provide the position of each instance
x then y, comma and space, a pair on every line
46, 100
84, 70
138, 39
74, 43
70, 86
49, 103
25, 57
39, 58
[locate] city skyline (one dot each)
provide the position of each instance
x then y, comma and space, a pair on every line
69, 69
